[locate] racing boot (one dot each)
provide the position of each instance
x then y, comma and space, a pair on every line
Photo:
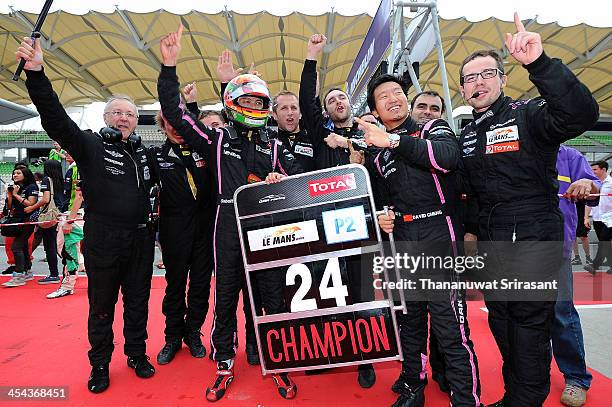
286, 386
225, 376
411, 396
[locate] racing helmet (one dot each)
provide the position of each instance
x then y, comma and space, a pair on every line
247, 85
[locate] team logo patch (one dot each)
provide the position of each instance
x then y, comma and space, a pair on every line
304, 150
502, 140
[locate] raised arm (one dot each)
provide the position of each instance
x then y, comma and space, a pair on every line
54, 119
567, 108
199, 136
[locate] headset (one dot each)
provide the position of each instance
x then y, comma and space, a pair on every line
113, 135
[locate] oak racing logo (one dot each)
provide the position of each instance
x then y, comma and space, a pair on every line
332, 185
272, 198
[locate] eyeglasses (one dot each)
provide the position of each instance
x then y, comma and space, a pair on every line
486, 74
119, 113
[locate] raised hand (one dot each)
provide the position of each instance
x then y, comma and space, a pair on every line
316, 43
190, 92
225, 67
373, 134
170, 46
31, 51
524, 46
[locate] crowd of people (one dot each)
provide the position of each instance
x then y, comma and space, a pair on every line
506, 162
45, 204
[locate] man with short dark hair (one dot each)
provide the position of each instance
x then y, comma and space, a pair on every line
509, 153
426, 106
286, 113
187, 202
415, 172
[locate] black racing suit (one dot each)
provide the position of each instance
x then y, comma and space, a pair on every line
417, 179
238, 156
509, 153
326, 157
187, 205
300, 145
118, 243
312, 116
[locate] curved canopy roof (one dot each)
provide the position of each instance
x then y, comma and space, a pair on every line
89, 57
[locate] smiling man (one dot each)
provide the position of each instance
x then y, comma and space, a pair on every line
118, 242
509, 152
415, 175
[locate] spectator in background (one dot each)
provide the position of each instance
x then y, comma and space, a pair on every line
602, 219
581, 233
212, 118
576, 182
57, 153
69, 239
22, 194
8, 241
52, 188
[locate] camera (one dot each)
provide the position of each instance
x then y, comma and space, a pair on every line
10, 187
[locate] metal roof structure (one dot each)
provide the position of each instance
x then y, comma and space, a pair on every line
89, 57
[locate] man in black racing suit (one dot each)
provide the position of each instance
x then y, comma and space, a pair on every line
240, 154
187, 205
509, 152
415, 172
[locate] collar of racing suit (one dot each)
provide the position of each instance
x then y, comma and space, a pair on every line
481, 117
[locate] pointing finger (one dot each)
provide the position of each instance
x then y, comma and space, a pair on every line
519, 24
180, 32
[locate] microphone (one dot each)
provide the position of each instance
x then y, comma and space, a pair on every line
475, 95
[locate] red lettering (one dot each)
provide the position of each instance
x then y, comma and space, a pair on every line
331, 185
352, 332
316, 340
305, 344
287, 344
379, 332
364, 349
339, 337
268, 335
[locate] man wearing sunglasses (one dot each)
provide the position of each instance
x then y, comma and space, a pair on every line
509, 153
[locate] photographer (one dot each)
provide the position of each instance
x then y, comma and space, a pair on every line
118, 242
21, 195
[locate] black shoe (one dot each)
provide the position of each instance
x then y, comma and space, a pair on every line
252, 354
141, 365
398, 386
367, 376
609, 271
169, 351
576, 261
411, 396
591, 269
588, 260
442, 382
499, 403
9, 270
98, 379
194, 343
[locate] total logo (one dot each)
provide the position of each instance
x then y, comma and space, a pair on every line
332, 185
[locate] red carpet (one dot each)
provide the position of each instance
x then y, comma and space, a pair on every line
44, 343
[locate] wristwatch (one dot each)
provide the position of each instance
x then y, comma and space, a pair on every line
394, 140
